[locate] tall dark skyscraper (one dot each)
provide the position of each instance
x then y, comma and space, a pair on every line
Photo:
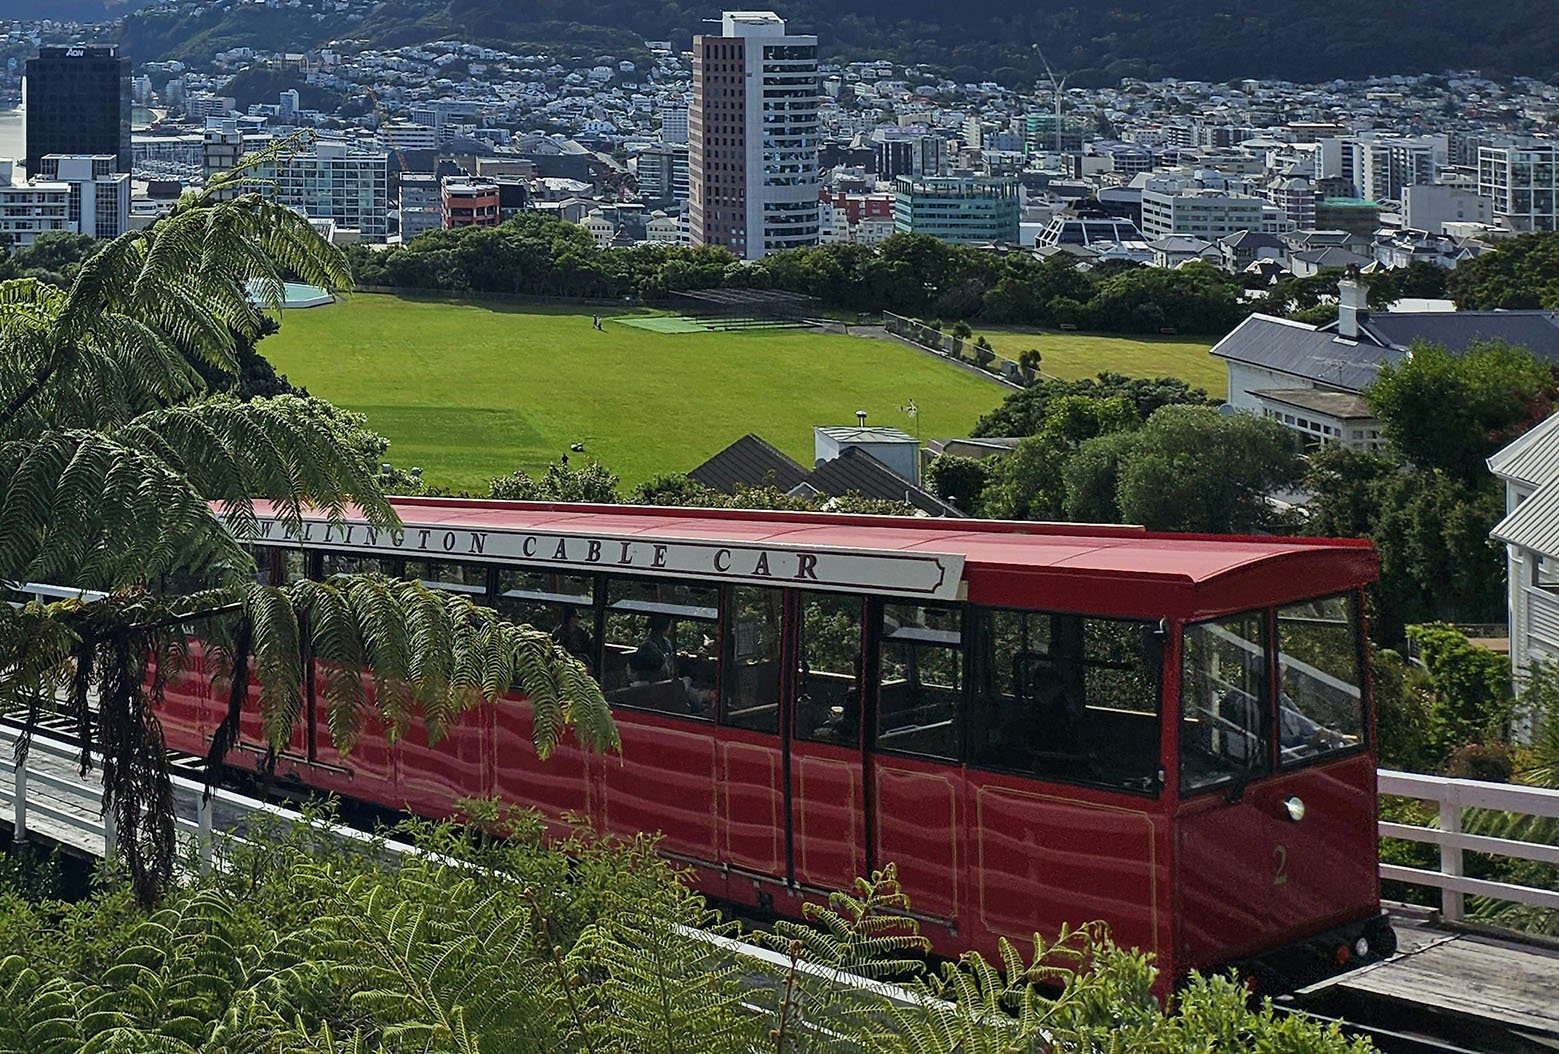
78, 102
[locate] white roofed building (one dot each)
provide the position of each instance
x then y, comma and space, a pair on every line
1529, 468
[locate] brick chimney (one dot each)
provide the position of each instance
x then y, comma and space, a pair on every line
1352, 304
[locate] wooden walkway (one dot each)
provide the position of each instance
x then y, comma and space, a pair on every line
1500, 992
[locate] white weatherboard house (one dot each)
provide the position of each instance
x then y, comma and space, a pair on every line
1529, 468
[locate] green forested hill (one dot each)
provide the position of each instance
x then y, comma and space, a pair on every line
1100, 41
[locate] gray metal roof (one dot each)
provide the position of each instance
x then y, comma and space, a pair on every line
1253, 239
1331, 256
1303, 351
856, 472
1537, 331
751, 462
1532, 458
868, 434
1534, 524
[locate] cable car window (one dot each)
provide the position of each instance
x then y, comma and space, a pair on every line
752, 698
828, 680
1320, 698
1224, 701
920, 680
662, 646
294, 566
352, 564
562, 605
468, 580
1067, 698
261, 554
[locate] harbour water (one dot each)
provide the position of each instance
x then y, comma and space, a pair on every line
13, 134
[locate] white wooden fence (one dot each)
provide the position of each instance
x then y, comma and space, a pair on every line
1453, 796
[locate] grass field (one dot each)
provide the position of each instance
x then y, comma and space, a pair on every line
1074, 355
472, 391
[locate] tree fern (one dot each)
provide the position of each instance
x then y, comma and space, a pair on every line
665, 993
116, 470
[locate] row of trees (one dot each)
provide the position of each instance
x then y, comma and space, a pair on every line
1523, 273
536, 255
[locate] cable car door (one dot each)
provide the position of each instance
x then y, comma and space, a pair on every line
826, 760
1277, 832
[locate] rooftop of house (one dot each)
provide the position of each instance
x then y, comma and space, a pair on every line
752, 461
1344, 406
1532, 459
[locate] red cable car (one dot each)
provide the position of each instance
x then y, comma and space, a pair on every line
1039, 723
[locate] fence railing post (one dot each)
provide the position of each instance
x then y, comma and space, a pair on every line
110, 834
203, 839
19, 801
1452, 906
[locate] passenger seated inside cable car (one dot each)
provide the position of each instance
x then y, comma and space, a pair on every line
1225, 728
661, 647
828, 682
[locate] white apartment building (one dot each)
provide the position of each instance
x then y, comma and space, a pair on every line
421, 204
1177, 206
673, 125
30, 209
331, 182
405, 135
1521, 179
1384, 168
753, 136
99, 196
662, 172
663, 229
1431, 207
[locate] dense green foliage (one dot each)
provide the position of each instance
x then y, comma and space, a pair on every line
1027, 484
1523, 273
1430, 502
54, 257
1148, 452
1450, 412
1023, 413
958, 480
988, 40
538, 255
1192, 469
1472, 685
303, 943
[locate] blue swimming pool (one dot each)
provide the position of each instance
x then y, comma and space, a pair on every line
296, 294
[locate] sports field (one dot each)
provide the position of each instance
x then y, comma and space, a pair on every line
469, 391
1074, 355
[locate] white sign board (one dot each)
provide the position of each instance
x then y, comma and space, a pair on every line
927, 576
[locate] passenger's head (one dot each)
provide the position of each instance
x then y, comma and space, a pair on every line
659, 624
568, 616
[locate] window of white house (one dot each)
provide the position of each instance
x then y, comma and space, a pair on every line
1547, 576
